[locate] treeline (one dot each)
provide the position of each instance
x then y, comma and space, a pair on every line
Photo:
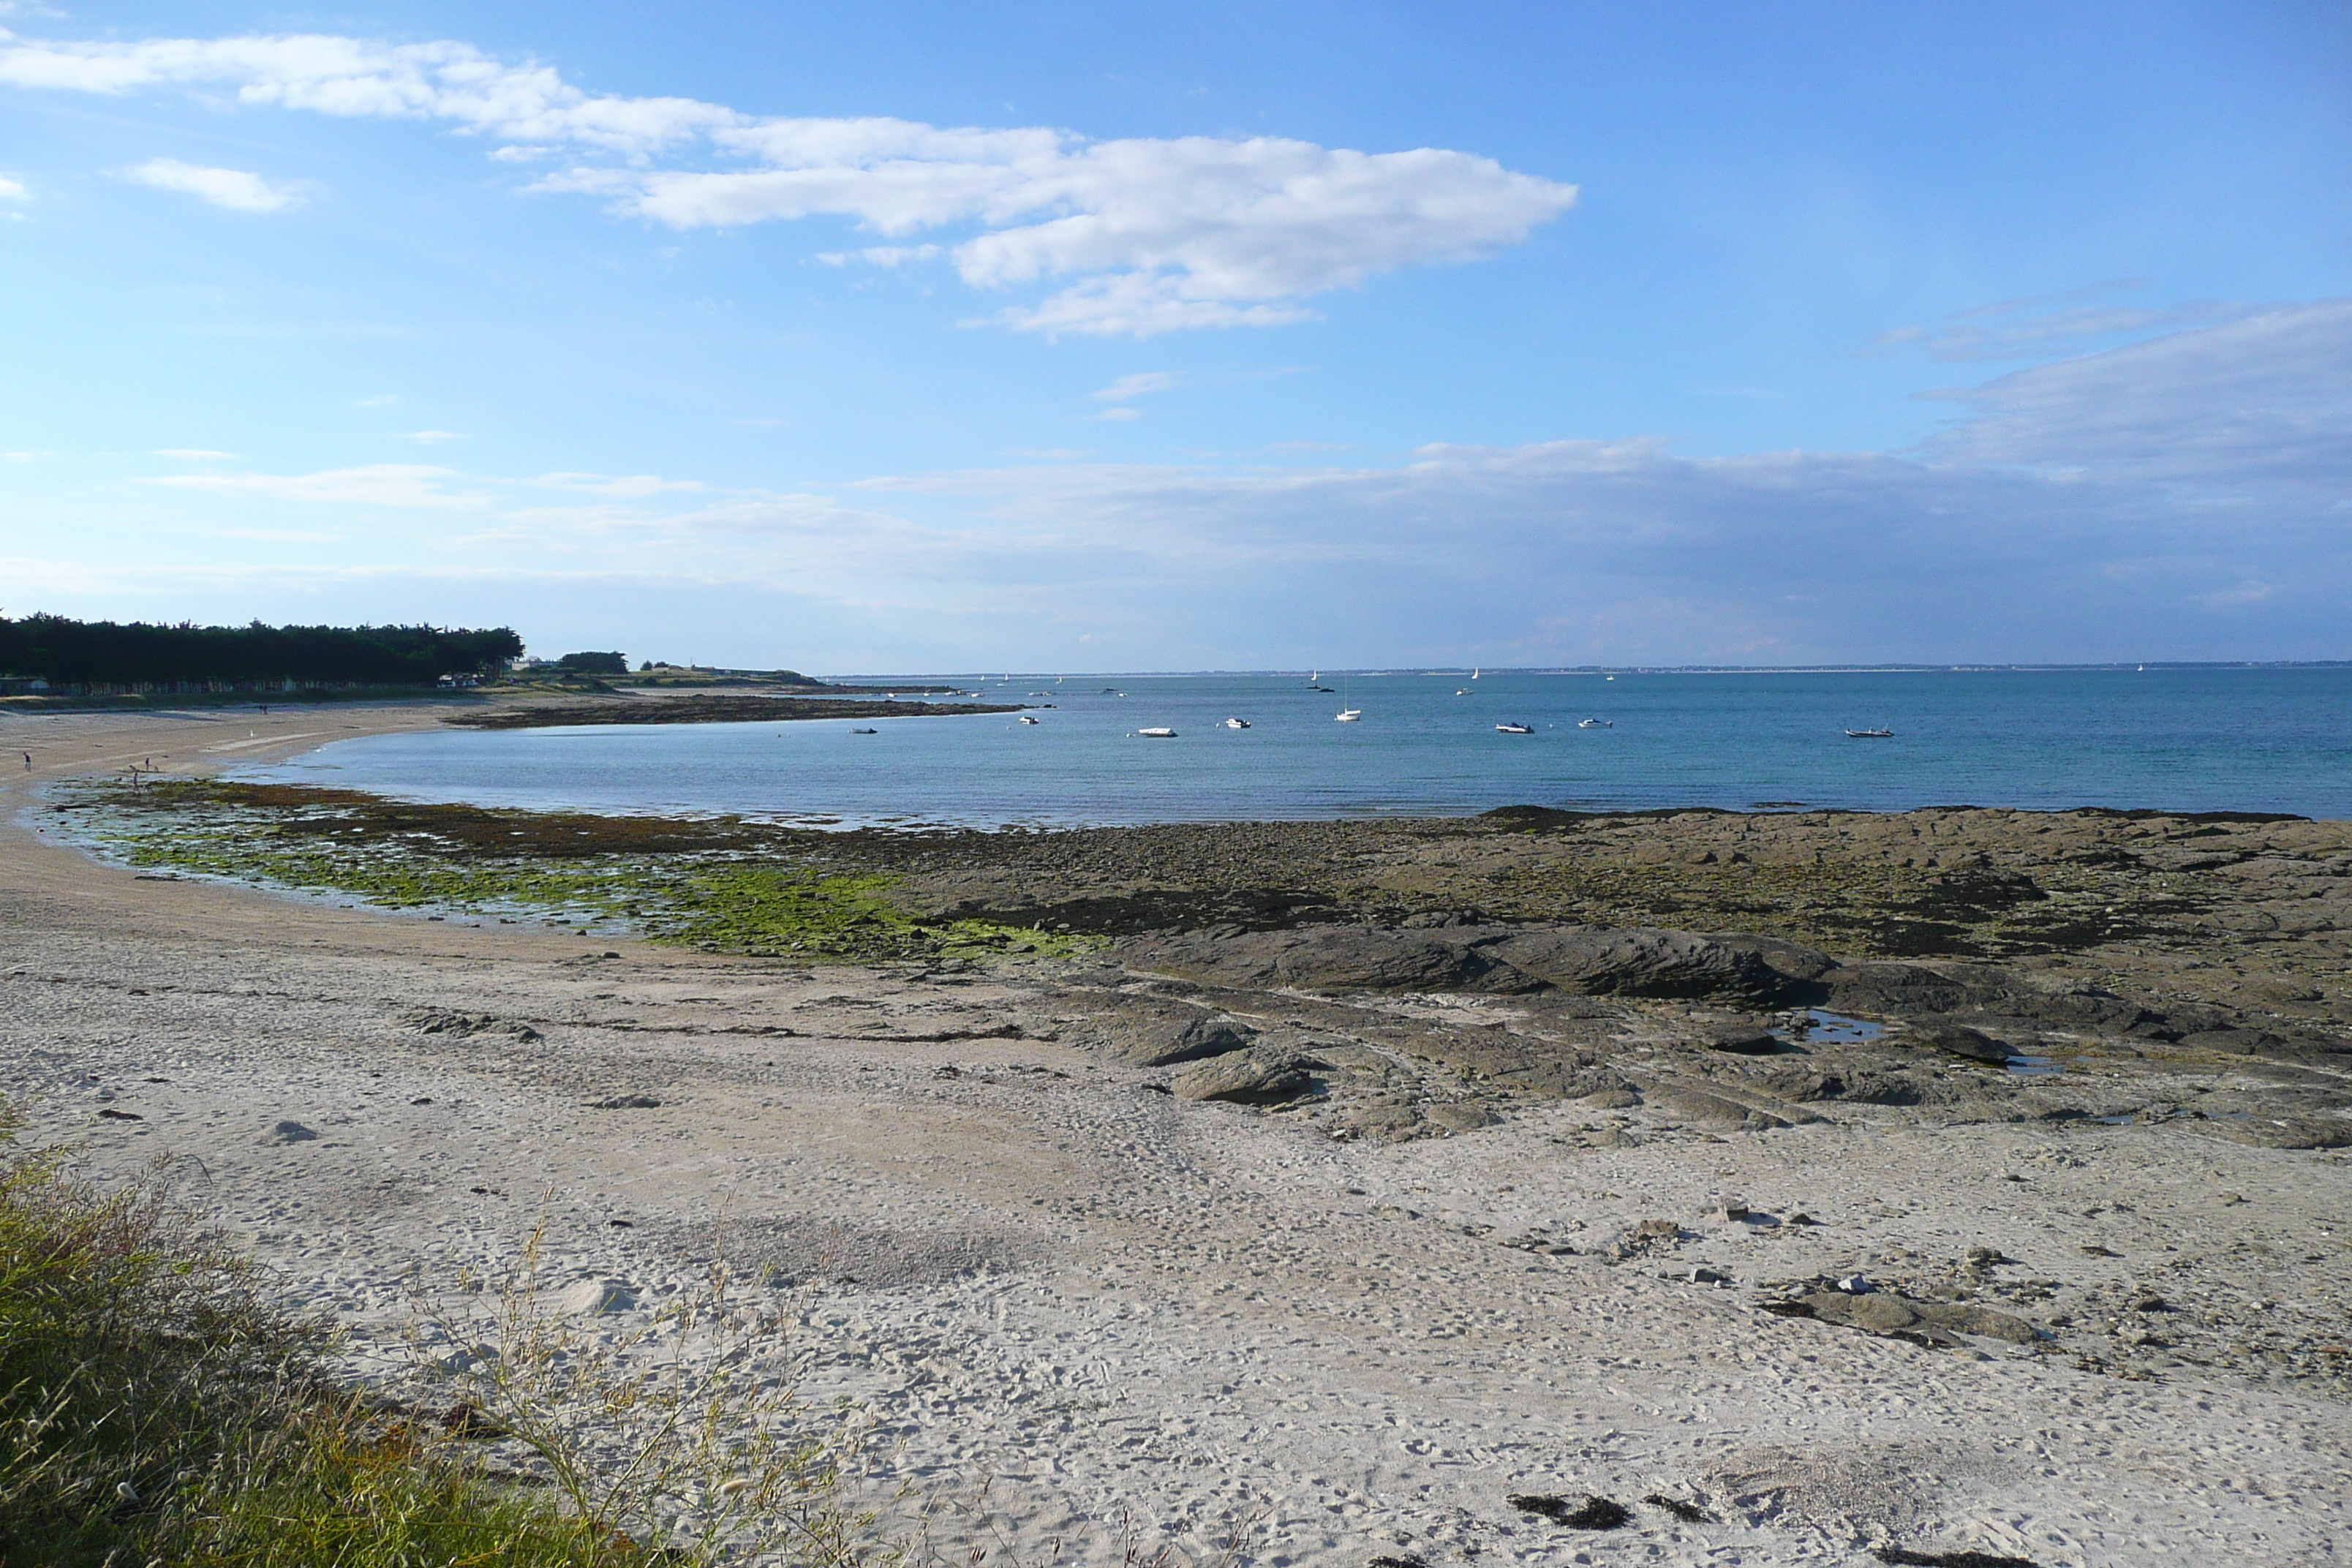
103, 654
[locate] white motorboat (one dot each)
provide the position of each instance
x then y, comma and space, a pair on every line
1349, 715
1517, 729
1158, 732
1237, 723
1870, 734
1596, 723
1028, 719
1461, 691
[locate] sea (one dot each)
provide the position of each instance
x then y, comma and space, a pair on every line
2175, 738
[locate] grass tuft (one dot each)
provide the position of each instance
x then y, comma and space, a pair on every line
158, 1411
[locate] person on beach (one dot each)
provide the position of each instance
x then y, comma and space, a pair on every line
28, 762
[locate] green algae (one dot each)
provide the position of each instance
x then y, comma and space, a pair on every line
720, 885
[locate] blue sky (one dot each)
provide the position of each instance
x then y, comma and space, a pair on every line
894, 337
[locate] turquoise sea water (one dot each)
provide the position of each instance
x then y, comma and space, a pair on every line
2195, 739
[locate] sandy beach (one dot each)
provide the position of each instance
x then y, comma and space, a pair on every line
1318, 1240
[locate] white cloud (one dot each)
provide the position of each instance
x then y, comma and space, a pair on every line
1135, 385
234, 189
429, 437
2018, 329
193, 454
1133, 237
382, 484
12, 190
2247, 592
630, 487
2180, 498
881, 255
2266, 399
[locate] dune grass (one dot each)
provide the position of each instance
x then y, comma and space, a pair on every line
158, 1411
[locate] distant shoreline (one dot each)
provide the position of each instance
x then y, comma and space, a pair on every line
728, 709
1456, 672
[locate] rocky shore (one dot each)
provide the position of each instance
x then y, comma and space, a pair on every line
1805, 1187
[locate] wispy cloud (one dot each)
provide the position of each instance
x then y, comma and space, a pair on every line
2260, 402
881, 255
12, 190
2020, 328
1133, 237
2183, 496
1135, 385
403, 485
234, 189
630, 487
1115, 415
193, 454
429, 437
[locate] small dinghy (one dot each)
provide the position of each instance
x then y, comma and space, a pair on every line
1028, 719
1596, 723
1237, 723
1870, 734
1158, 732
1517, 729
866, 731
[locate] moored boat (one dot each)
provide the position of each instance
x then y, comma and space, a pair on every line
1517, 729
1158, 732
1870, 734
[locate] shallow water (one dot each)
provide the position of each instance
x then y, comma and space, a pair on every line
2181, 738
1837, 1029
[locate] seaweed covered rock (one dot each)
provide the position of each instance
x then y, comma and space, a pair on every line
1591, 959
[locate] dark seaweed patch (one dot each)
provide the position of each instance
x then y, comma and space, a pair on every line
1950, 1559
1688, 1512
1593, 1513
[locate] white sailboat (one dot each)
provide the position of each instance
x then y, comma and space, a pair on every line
1348, 715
